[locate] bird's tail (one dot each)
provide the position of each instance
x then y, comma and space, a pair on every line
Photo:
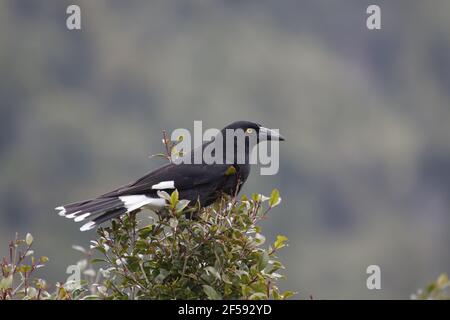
103, 209
100, 210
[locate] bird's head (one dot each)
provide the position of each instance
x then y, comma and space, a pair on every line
249, 129
243, 136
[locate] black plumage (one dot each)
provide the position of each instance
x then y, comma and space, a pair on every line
199, 183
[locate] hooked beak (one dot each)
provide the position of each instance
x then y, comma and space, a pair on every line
270, 134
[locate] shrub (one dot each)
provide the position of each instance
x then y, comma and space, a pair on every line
436, 290
221, 254
17, 272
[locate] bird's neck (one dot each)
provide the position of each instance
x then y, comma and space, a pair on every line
238, 154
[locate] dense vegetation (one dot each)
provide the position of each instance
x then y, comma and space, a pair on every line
220, 255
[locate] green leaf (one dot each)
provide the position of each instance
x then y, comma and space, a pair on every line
163, 273
6, 283
162, 155
24, 268
31, 293
98, 260
164, 195
263, 260
274, 198
146, 231
280, 242
173, 223
29, 239
259, 239
211, 293
276, 294
41, 284
258, 296
431, 287
245, 290
174, 198
442, 281
182, 204
226, 279
213, 271
288, 294
230, 171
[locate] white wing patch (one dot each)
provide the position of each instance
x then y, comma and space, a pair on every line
164, 185
137, 201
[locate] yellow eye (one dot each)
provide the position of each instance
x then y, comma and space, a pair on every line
249, 130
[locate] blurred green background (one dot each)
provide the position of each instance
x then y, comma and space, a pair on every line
365, 171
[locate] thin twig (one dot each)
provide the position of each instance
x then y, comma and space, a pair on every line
167, 145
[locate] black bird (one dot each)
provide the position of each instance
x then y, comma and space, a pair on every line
199, 183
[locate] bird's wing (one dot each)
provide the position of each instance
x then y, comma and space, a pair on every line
171, 176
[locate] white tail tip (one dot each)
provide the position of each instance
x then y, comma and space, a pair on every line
88, 226
62, 211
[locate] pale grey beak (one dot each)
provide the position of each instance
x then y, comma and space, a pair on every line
270, 134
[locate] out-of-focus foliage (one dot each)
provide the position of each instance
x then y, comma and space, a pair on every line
364, 170
436, 290
17, 278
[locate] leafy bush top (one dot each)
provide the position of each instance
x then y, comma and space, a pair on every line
221, 254
218, 255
